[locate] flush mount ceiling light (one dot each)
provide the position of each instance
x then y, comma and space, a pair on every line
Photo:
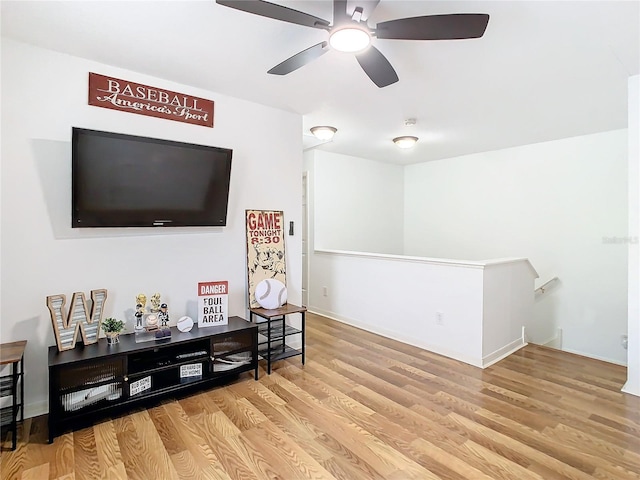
350, 39
405, 142
323, 132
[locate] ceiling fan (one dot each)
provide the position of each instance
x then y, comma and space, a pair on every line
350, 32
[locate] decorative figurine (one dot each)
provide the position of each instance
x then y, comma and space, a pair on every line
155, 303
138, 315
142, 300
151, 324
163, 315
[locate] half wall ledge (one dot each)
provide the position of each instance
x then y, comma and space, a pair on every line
472, 311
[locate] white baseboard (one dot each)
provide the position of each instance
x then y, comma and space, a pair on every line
595, 357
503, 352
628, 388
474, 361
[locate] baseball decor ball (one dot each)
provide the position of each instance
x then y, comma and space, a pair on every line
271, 293
185, 324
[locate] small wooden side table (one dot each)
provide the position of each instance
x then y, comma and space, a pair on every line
275, 329
12, 353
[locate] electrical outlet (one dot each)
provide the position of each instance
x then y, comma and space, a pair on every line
325, 291
624, 340
439, 318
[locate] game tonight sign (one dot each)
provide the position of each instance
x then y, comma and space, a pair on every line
117, 94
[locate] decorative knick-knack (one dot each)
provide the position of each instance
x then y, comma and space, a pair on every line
139, 313
163, 315
155, 303
112, 328
141, 298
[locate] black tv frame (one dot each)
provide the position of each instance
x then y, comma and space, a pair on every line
212, 209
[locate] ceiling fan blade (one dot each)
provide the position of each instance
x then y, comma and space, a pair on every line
340, 12
435, 27
367, 6
300, 59
377, 67
277, 12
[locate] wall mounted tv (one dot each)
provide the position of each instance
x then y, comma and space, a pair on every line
128, 181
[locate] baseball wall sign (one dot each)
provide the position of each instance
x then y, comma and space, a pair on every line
126, 96
265, 249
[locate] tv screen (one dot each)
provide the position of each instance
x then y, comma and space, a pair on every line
128, 181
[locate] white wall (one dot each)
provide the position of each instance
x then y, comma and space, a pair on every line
633, 354
44, 94
556, 203
399, 297
507, 307
360, 206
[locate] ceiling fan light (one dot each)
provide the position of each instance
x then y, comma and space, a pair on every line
350, 39
323, 132
405, 142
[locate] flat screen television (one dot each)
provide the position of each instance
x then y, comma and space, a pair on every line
123, 180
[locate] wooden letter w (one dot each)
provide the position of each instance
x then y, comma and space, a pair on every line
77, 319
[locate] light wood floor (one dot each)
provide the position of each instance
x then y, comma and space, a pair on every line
365, 407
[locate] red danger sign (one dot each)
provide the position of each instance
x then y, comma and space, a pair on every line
212, 288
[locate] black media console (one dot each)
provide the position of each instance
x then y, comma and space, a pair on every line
98, 380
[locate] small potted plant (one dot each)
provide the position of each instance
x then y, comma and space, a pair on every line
112, 329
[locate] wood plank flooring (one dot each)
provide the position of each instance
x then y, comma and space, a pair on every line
364, 407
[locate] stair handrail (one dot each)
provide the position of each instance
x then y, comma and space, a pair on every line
543, 288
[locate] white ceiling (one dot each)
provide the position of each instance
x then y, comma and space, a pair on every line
543, 70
